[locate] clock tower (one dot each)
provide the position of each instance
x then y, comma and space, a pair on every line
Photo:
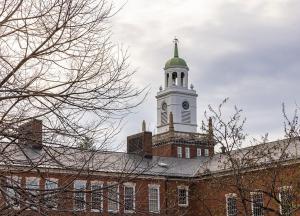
177, 97
177, 134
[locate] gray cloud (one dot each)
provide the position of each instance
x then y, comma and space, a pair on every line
248, 52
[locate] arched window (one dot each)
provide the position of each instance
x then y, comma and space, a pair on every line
181, 78
167, 79
174, 78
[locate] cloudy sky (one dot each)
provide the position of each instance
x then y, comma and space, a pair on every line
246, 50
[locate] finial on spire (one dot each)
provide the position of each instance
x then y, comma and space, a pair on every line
176, 47
144, 126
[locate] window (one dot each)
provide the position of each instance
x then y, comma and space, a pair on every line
32, 187
257, 203
231, 206
96, 196
154, 199
12, 191
79, 195
50, 197
183, 196
113, 197
179, 152
199, 152
129, 197
206, 152
187, 152
286, 201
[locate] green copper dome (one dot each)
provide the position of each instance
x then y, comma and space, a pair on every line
176, 61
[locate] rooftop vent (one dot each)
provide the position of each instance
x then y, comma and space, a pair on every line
162, 164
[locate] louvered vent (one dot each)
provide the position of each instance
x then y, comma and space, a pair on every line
186, 117
164, 118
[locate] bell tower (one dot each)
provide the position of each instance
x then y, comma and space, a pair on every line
176, 97
177, 134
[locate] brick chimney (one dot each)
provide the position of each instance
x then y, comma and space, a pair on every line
140, 143
31, 134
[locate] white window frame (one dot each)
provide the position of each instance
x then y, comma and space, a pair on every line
284, 188
253, 203
199, 152
156, 187
206, 152
187, 152
47, 190
110, 201
100, 184
81, 182
186, 188
179, 151
129, 185
13, 184
230, 196
27, 181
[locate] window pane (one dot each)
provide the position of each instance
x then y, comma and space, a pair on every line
206, 152
153, 199
96, 196
182, 196
32, 191
12, 191
286, 201
79, 195
187, 152
179, 152
198, 152
113, 198
257, 204
231, 205
129, 198
51, 198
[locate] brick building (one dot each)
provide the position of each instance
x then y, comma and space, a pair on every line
173, 172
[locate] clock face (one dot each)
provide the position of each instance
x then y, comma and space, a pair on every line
185, 105
164, 106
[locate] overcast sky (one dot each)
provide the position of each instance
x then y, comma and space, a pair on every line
245, 50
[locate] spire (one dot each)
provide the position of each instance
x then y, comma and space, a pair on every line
171, 123
176, 48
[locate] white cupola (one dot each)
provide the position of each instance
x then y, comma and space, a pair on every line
176, 97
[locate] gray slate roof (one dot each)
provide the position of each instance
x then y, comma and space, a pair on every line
66, 158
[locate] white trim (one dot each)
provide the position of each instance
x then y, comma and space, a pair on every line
132, 185
154, 186
83, 182
100, 183
186, 188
